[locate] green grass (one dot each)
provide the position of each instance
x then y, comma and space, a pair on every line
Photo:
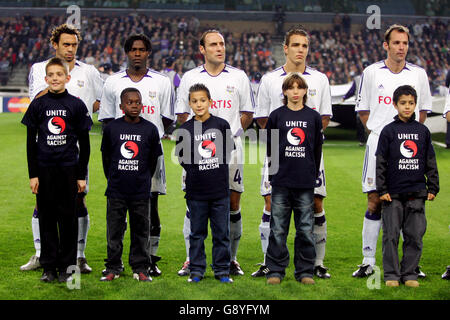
345, 206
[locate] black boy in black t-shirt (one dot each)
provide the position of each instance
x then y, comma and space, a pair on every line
130, 150
57, 168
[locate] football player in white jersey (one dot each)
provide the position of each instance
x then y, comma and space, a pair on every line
86, 84
374, 104
233, 101
270, 97
157, 99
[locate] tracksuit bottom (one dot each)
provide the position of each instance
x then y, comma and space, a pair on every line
406, 214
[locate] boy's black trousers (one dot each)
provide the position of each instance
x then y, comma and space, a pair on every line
58, 222
408, 215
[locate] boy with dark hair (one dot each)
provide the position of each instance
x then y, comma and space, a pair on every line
204, 144
407, 175
57, 168
130, 151
299, 146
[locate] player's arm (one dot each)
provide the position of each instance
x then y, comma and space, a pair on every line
262, 122
107, 108
167, 100
426, 100
318, 142
97, 84
36, 82
246, 119
363, 99
182, 109
325, 121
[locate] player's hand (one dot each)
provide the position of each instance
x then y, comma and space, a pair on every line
34, 185
386, 197
431, 197
81, 185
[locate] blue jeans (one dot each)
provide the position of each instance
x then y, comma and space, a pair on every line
218, 211
284, 201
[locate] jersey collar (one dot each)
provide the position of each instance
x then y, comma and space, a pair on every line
145, 75
285, 73
405, 67
223, 70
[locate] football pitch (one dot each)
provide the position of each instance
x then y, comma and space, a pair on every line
344, 206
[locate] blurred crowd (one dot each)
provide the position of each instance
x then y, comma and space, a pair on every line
337, 52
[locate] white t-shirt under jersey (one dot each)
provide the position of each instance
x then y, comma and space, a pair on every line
230, 91
85, 82
156, 91
378, 84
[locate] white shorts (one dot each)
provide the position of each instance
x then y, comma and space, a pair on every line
320, 189
235, 167
369, 166
159, 177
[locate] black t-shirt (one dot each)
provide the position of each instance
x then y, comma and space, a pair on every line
299, 147
132, 150
58, 119
409, 155
204, 151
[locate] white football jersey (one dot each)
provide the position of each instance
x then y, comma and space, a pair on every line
447, 103
230, 91
270, 93
378, 84
85, 82
156, 91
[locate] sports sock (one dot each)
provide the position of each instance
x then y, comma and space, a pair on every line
235, 232
83, 228
264, 230
186, 232
320, 236
36, 233
370, 233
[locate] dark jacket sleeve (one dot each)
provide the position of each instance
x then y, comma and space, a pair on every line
155, 151
32, 152
431, 170
382, 163
381, 171
85, 151
318, 146
106, 154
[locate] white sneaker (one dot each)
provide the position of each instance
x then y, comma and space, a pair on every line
32, 264
184, 271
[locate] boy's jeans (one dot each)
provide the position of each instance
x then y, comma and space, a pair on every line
284, 201
218, 211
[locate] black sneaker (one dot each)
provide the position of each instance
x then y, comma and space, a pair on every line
420, 273
363, 271
321, 272
195, 278
84, 267
64, 277
261, 272
235, 269
48, 276
446, 274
